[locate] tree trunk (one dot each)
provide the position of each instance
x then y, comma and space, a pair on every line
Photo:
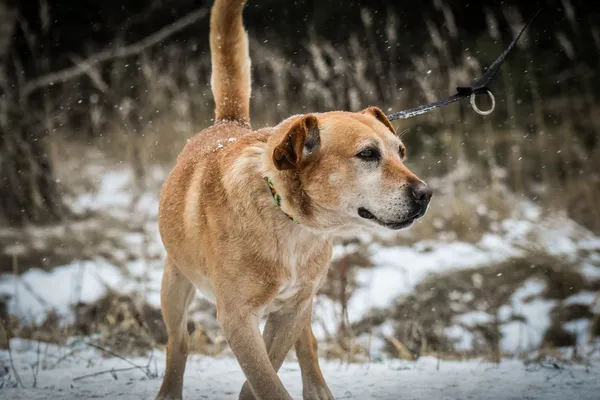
28, 187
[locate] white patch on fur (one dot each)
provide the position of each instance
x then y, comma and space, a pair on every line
206, 289
191, 203
213, 77
334, 179
286, 292
295, 254
249, 160
248, 62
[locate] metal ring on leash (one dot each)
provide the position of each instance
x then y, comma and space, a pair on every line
477, 109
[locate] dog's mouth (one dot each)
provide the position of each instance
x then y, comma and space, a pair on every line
405, 223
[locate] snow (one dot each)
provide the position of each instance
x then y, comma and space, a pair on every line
113, 192
584, 297
399, 269
59, 377
463, 337
579, 327
591, 271
59, 289
519, 336
475, 318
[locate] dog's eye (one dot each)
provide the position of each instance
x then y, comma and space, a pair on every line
402, 152
369, 154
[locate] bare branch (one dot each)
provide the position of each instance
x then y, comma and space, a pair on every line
27, 33
120, 357
7, 26
36, 371
108, 371
109, 54
92, 73
12, 366
145, 14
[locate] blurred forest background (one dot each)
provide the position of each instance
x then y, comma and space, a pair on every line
98, 97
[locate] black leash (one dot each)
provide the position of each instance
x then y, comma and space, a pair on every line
480, 86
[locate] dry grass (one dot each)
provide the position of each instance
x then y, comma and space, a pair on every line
125, 324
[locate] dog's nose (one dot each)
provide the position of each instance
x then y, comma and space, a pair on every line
421, 192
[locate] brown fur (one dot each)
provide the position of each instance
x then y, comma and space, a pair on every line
230, 62
225, 236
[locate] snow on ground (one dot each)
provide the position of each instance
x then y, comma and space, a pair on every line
62, 369
517, 335
85, 280
398, 269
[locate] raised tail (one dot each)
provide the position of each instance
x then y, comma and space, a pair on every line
230, 79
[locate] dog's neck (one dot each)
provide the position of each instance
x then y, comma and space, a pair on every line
295, 204
260, 188
277, 197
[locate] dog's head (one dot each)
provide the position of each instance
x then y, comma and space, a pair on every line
348, 169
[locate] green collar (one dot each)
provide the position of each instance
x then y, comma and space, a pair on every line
277, 198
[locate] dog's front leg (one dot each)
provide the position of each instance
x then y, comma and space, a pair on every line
281, 332
313, 382
241, 330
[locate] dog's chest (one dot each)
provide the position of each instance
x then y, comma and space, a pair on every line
297, 258
287, 291
301, 272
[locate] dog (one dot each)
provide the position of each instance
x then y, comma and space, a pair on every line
247, 217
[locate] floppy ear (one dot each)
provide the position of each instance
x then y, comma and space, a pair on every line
377, 113
301, 140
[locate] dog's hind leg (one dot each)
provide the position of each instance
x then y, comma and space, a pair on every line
281, 331
176, 295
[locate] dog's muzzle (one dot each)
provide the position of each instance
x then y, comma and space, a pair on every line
420, 194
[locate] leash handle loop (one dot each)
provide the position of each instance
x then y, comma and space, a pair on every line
477, 109
480, 86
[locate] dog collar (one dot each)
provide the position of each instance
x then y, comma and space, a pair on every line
277, 198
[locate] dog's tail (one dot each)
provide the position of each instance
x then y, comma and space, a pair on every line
230, 79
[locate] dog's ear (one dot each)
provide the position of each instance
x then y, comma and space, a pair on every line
377, 113
300, 141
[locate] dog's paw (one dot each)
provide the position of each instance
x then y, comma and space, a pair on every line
162, 396
317, 392
246, 392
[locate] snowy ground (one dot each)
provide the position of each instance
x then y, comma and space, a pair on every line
62, 376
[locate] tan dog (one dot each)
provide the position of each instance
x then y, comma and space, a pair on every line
226, 236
